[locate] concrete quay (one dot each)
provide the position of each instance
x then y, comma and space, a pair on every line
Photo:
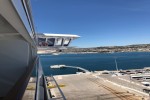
88, 87
92, 86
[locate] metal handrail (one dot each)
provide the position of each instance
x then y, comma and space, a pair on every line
48, 94
59, 88
37, 82
39, 77
26, 6
41, 82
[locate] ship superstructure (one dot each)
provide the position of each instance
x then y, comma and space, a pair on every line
18, 50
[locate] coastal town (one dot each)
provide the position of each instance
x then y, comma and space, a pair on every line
110, 49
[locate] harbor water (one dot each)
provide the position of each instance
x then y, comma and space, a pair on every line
94, 62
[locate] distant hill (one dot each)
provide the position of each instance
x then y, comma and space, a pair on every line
110, 49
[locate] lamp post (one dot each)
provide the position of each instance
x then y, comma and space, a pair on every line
116, 64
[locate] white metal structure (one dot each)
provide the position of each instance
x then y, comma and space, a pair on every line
18, 51
51, 43
55, 40
17, 46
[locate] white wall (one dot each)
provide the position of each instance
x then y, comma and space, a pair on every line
14, 59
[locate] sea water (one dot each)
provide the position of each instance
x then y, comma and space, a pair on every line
94, 62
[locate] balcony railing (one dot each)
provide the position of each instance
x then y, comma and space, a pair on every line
42, 91
24, 11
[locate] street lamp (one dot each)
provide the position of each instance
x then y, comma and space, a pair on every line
116, 64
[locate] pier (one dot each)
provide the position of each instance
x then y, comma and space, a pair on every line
79, 68
87, 87
64, 66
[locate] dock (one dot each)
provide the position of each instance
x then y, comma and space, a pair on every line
79, 68
64, 66
86, 87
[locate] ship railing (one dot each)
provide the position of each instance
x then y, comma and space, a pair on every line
23, 7
42, 92
63, 96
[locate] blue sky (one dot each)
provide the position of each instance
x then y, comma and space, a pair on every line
98, 22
